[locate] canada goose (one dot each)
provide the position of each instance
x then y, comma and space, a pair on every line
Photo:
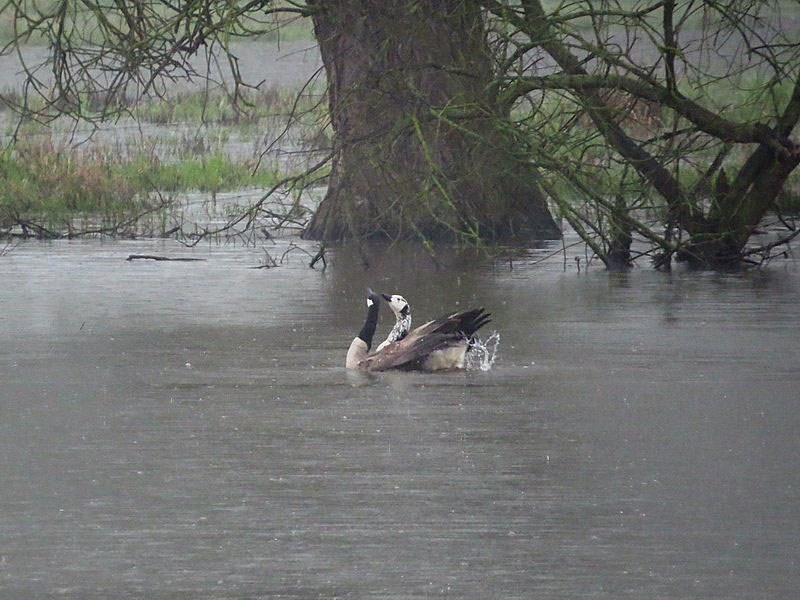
359, 347
437, 345
402, 325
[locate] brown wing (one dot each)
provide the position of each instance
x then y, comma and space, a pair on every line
409, 352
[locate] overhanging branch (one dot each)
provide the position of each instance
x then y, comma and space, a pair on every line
704, 119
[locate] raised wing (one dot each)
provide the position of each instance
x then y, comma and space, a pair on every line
411, 351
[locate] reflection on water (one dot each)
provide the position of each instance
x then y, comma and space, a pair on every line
188, 430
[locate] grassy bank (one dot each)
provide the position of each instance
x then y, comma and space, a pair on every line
47, 189
190, 142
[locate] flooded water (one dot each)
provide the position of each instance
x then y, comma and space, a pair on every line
187, 430
284, 66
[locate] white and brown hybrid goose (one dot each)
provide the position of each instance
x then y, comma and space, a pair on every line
402, 312
441, 344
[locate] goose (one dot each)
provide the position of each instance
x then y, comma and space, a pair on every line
440, 344
359, 347
402, 312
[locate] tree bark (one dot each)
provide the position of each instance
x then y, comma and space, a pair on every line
421, 149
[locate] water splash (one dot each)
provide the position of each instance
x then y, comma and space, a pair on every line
483, 353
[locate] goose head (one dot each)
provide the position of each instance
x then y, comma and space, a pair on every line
372, 297
402, 313
398, 304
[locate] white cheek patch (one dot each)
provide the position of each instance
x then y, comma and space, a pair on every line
369, 302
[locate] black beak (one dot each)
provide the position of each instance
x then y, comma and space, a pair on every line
387, 298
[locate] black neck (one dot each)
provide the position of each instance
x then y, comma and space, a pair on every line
368, 330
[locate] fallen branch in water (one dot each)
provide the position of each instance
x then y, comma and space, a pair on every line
8, 247
320, 255
154, 257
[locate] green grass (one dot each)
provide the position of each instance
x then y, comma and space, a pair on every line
49, 189
53, 186
216, 107
209, 173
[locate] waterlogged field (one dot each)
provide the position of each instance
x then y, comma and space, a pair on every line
67, 178
63, 178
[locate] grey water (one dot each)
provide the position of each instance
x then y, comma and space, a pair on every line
187, 430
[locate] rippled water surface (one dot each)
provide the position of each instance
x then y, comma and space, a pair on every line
187, 430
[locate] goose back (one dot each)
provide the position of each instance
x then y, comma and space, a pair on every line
436, 345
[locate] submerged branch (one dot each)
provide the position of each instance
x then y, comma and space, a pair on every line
133, 257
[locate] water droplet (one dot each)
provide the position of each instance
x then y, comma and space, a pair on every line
483, 353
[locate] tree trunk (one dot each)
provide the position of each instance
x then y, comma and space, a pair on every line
421, 151
732, 221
